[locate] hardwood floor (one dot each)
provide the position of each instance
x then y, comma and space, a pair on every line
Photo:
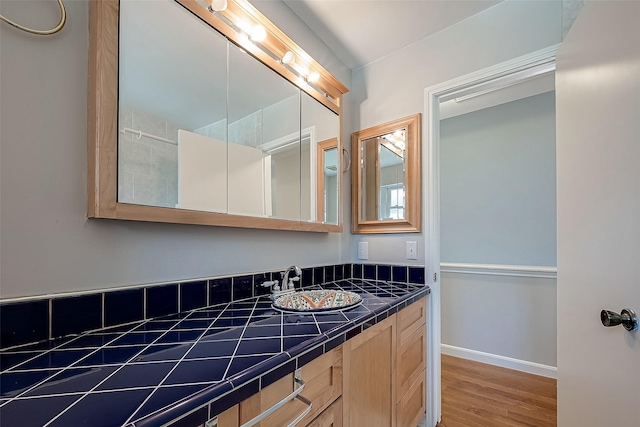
476, 394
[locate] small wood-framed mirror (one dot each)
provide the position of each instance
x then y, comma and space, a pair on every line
386, 191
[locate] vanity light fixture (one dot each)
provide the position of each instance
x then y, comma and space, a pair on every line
247, 31
396, 139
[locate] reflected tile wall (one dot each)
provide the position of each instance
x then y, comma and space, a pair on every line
148, 168
217, 130
247, 131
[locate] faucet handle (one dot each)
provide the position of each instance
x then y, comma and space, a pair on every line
291, 285
269, 283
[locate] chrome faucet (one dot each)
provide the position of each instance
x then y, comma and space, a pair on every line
287, 283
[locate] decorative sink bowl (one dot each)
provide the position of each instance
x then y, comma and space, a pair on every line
319, 300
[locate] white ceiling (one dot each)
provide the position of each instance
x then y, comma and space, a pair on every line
362, 31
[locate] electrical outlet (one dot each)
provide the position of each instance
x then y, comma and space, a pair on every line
412, 250
363, 250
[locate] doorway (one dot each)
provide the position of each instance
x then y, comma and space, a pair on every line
484, 81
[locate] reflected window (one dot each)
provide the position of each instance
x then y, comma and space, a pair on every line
392, 202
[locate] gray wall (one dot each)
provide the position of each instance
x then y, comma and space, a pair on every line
47, 245
500, 315
498, 184
384, 90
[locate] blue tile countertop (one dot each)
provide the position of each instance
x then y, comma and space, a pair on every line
199, 363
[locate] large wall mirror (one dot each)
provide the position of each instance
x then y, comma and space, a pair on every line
386, 178
206, 126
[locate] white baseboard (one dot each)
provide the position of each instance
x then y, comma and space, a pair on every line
496, 360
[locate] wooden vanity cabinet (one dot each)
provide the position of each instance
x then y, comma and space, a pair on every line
375, 379
384, 372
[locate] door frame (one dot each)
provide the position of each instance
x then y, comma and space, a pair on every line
431, 201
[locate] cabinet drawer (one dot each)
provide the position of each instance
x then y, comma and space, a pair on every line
411, 361
410, 319
331, 417
324, 381
323, 385
411, 407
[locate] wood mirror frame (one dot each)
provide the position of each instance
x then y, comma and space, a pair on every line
412, 178
102, 147
323, 146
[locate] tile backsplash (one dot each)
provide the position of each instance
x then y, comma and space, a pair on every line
35, 320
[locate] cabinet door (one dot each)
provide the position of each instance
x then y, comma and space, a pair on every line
330, 417
369, 377
323, 385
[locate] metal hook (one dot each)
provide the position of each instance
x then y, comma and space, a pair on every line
139, 134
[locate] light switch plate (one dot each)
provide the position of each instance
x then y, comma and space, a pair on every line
363, 250
412, 250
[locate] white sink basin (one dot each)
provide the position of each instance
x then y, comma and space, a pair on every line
314, 301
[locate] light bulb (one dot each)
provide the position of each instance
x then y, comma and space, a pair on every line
244, 40
258, 33
218, 5
314, 76
289, 58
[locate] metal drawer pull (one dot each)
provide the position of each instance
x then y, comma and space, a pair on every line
294, 395
304, 413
